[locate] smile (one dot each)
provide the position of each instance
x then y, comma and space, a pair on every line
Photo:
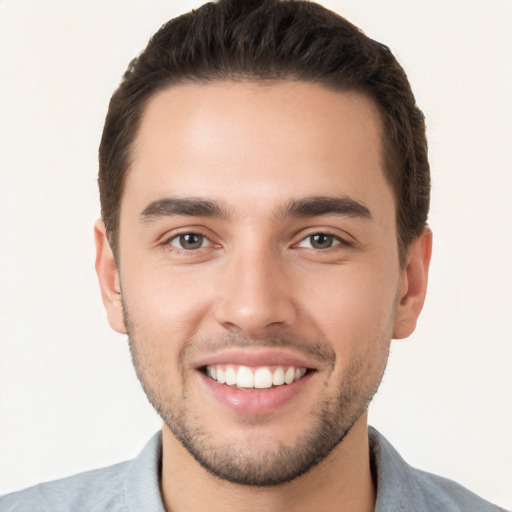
256, 381
262, 377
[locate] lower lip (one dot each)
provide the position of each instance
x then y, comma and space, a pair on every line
255, 401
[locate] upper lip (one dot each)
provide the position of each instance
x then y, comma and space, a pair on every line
253, 357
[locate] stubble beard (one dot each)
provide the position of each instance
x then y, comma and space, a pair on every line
331, 421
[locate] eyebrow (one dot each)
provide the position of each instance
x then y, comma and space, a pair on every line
314, 206
306, 207
189, 206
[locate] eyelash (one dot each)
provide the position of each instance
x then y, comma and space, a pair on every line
169, 242
334, 239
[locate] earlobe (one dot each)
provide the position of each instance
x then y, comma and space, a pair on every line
108, 277
414, 285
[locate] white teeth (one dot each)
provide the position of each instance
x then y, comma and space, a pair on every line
278, 376
289, 376
259, 378
230, 376
299, 373
245, 378
263, 378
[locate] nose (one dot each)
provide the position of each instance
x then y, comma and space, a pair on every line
254, 294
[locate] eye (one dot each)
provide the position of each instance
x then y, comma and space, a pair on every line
189, 241
319, 241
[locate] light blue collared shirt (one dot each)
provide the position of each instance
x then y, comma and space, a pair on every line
133, 486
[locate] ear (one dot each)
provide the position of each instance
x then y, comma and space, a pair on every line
108, 276
413, 286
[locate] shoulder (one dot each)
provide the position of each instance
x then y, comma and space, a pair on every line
127, 486
451, 495
401, 488
100, 489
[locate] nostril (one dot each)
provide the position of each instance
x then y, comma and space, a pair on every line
256, 318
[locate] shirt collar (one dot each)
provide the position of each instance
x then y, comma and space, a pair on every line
398, 488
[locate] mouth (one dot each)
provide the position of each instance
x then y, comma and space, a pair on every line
256, 383
255, 377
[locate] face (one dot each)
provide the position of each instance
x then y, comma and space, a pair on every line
259, 273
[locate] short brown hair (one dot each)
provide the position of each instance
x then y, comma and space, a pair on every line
272, 40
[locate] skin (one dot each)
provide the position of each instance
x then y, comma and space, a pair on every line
256, 280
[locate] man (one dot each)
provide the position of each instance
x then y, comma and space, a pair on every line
264, 186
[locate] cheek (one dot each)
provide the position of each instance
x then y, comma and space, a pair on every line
354, 306
356, 318
166, 308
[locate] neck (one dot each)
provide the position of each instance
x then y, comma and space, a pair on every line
342, 482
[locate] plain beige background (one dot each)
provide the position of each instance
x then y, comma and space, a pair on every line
69, 399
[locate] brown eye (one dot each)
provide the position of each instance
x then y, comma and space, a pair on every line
321, 241
188, 241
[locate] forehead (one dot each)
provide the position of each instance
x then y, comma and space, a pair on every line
240, 142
